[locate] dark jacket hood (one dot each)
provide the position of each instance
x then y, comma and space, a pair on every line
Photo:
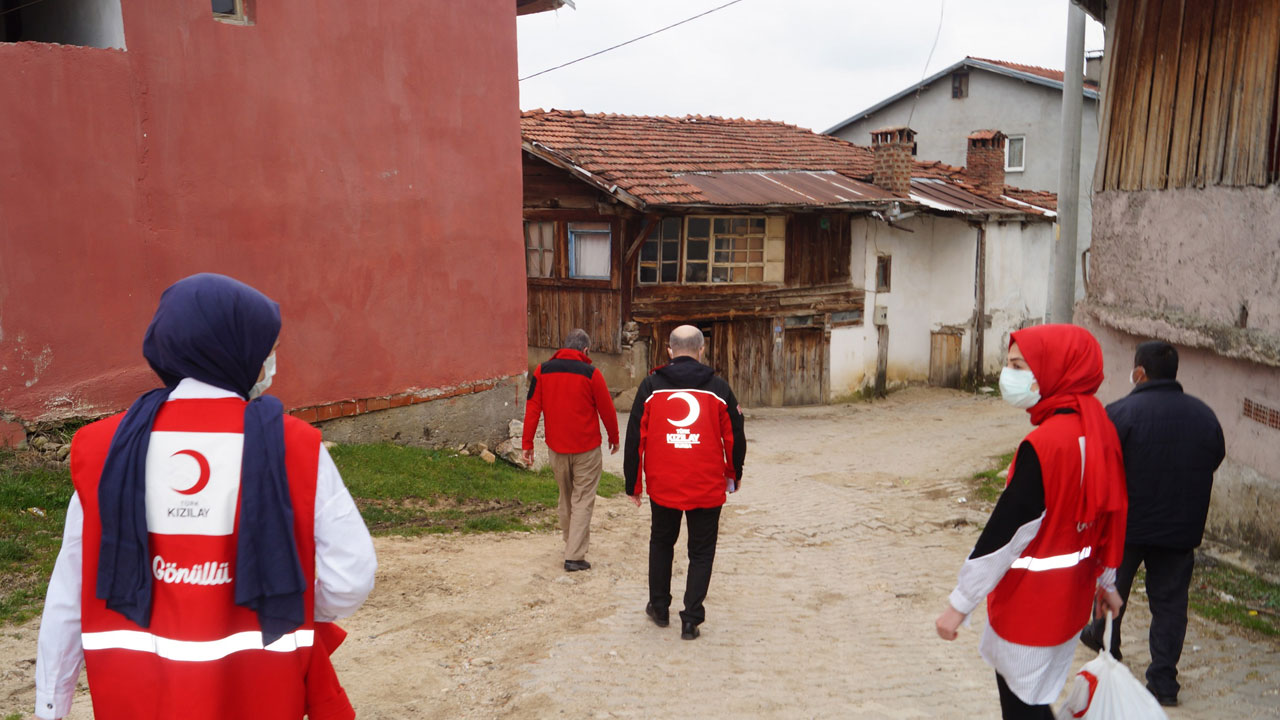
685, 372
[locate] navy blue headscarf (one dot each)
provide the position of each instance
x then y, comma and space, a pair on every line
219, 331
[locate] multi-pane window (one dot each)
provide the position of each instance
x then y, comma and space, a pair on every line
724, 250
589, 250
660, 253
960, 85
539, 248
739, 250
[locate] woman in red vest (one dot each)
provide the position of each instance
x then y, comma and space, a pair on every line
1051, 548
210, 541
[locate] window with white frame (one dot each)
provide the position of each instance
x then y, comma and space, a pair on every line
660, 253
589, 250
539, 248
724, 250
1015, 153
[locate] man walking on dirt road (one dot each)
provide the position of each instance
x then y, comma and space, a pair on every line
685, 436
571, 394
1172, 445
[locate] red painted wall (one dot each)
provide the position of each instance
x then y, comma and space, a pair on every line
358, 162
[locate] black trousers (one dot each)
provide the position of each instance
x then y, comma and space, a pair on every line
704, 528
1012, 707
1168, 580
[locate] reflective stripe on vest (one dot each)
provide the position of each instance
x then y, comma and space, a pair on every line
1056, 562
193, 651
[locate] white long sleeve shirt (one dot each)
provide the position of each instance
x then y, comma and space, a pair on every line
345, 566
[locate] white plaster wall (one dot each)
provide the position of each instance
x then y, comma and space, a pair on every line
1018, 257
932, 285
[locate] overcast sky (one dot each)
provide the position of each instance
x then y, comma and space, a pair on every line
808, 62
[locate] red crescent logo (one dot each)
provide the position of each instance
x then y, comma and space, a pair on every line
204, 472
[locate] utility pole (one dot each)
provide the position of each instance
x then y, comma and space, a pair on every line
1062, 280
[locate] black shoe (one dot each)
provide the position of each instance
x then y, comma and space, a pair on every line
661, 618
1165, 700
1089, 638
688, 631
575, 565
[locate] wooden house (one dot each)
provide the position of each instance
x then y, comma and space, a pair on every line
1185, 211
770, 237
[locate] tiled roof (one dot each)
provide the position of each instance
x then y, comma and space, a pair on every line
652, 158
1046, 73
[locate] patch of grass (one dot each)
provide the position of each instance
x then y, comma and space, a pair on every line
33, 506
410, 491
1231, 596
13, 716
988, 484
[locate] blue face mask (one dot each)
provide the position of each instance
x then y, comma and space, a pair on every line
269, 371
1015, 388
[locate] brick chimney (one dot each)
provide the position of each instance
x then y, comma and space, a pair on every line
984, 164
893, 148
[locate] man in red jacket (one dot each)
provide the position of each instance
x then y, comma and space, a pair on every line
571, 394
685, 436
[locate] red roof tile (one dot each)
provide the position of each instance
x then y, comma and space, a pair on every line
1046, 73
647, 156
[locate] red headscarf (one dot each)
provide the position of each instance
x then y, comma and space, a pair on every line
1067, 363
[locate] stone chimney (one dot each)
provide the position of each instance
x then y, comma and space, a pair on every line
1093, 67
984, 164
893, 148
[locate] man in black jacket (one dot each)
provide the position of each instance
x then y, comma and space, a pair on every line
1172, 445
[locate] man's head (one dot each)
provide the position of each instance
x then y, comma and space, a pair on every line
577, 339
685, 341
1155, 360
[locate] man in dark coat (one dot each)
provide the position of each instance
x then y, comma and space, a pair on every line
1172, 445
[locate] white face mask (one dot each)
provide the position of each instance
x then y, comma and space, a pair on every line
268, 372
1015, 388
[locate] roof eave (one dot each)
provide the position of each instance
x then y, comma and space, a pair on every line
549, 155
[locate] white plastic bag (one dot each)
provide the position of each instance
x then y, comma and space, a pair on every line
1106, 690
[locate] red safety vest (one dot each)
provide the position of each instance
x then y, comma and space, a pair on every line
686, 448
202, 656
1046, 597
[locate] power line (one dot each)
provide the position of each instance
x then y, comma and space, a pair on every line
942, 11
615, 47
16, 9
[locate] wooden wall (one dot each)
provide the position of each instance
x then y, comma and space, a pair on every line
1191, 95
554, 311
818, 255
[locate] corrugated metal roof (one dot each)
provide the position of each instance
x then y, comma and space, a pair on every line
778, 187
942, 195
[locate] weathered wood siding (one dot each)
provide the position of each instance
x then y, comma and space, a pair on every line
1191, 95
547, 186
804, 356
554, 311
818, 255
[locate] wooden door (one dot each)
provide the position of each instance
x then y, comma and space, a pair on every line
750, 359
804, 354
944, 359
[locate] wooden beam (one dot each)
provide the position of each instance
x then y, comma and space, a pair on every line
649, 222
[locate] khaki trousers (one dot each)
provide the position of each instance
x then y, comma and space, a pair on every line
577, 475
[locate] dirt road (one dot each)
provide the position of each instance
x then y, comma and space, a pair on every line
834, 560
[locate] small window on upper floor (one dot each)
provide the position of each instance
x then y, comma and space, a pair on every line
89, 23
960, 85
539, 249
232, 12
1015, 153
589, 250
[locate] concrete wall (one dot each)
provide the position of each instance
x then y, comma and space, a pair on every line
1015, 107
1198, 254
357, 162
1246, 489
932, 286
